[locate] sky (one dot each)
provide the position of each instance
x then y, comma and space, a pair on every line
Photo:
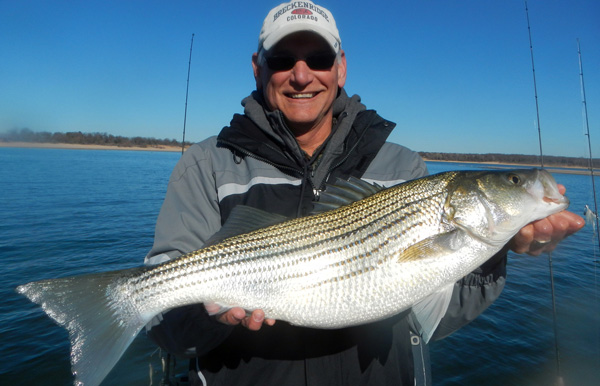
454, 75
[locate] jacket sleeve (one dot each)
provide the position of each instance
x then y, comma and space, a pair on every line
188, 217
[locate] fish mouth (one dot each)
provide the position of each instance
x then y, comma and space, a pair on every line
560, 201
546, 188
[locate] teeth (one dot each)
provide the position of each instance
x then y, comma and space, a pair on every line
302, 96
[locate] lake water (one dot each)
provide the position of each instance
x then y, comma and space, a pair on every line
67, 212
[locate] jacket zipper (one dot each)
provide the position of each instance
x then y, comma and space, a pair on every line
293, 172
348, 153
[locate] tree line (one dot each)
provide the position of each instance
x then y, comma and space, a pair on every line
79, 138
512, 159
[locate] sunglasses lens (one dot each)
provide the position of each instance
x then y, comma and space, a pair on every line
320, 61
314, 62
281, 63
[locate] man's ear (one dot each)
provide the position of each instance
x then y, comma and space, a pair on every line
341, 68
256, 70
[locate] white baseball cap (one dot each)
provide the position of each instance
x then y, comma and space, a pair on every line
297, 16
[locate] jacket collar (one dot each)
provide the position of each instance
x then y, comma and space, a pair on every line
264, 135
272, 123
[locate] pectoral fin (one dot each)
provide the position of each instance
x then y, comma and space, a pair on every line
442, 244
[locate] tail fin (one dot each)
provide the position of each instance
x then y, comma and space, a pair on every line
99, 315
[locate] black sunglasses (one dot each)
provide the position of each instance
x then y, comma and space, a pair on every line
314, 62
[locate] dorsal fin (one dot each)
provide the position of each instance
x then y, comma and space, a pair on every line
344, 192
244, 219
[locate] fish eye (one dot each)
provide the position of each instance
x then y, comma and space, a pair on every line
514, 179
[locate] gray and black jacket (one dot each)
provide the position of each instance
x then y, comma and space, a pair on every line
256, 161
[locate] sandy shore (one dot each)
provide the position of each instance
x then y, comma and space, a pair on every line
87, 147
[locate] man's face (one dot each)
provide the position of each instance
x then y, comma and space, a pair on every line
305, 96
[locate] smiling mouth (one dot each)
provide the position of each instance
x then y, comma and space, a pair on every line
306, 95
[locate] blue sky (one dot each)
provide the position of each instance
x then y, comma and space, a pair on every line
454, 75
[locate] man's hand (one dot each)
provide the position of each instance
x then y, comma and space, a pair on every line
543, 235
238, 315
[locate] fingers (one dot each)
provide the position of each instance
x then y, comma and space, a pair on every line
254, 321
238, 315
232, 317
543, 235
573, 222
212, 308
522, 240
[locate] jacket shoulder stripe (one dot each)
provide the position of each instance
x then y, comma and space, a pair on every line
385, 183
236, 188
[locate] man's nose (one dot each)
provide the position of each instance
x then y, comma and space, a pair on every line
301, 73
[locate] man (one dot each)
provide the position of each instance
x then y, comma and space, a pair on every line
299, 131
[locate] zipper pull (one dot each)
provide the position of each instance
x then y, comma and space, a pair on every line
317, 194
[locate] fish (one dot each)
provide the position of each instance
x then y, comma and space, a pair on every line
368, 253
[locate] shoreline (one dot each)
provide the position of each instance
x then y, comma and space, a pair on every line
552, 169
163, 148
39, 145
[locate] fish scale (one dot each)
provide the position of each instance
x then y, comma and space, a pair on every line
400, 248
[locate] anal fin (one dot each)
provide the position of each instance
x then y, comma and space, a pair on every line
429, 312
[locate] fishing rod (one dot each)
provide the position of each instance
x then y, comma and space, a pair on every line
559, 379
167, 360
591, 166
589, 141
186, 95
537, 107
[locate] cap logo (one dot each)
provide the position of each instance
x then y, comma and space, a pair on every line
302, 11
300, 8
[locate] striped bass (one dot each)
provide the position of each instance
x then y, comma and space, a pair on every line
387, 251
